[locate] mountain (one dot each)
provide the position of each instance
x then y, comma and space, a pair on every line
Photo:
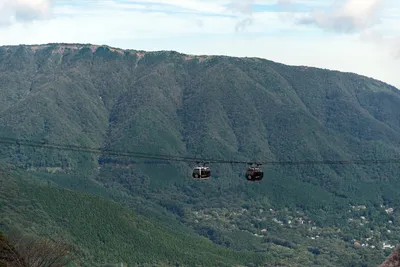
224, 108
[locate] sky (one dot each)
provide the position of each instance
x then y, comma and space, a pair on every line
360, 36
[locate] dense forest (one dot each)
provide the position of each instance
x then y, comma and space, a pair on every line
117, 207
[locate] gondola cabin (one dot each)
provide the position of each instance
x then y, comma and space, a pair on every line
201, 173
254, 174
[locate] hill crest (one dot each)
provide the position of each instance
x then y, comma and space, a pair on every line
62, 47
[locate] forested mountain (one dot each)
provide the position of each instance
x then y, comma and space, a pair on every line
234, 109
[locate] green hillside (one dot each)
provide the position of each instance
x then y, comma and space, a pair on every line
104, 231
243, 109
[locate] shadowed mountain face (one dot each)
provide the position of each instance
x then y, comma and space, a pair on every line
219, 107
215, 107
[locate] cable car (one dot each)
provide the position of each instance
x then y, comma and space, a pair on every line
201, 172
254, 174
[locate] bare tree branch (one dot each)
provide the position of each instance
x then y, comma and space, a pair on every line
393, 260
27, 251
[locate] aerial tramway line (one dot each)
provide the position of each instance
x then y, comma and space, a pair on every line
201, 171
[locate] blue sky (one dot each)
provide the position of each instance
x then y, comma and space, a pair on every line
361, 36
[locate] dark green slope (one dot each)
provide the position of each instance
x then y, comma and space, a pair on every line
250, 109
220, 107
104, 231
209, 107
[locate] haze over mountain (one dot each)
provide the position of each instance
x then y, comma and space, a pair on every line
244, 109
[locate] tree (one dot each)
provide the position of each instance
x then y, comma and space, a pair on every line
393, 260
8, 255
28, 251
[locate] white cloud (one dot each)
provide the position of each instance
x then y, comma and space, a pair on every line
201, 7
23, 10
244, 7
347, 16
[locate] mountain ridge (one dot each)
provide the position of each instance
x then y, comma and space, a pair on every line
201, 57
